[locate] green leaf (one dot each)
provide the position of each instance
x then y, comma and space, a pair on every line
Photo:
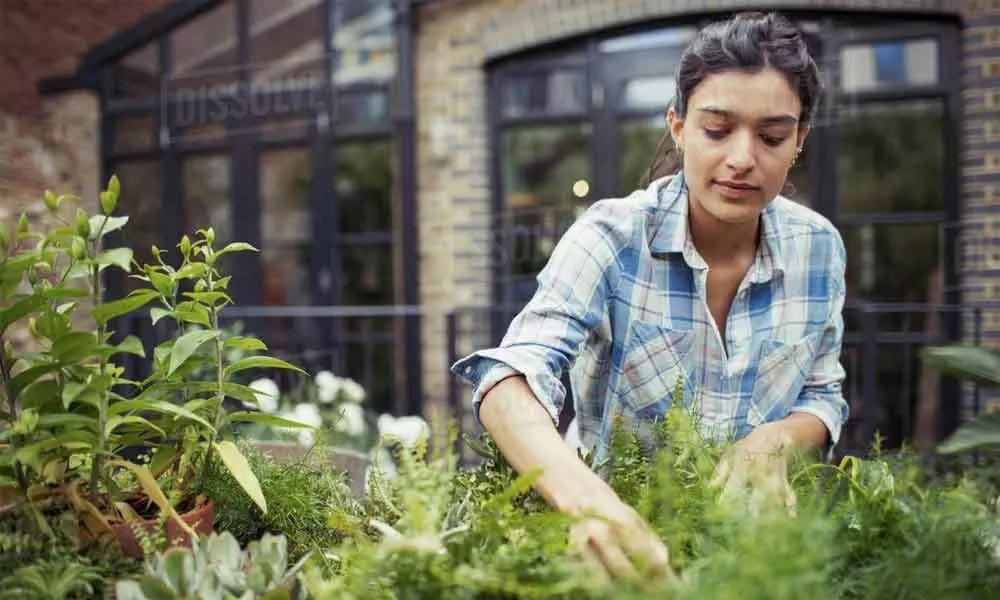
158, 313
159, 406
210, 298
116, 308
115, 421
74, 346
186, 345
191, 312
68, 420
971, 363
73, 441
131, 345
109, 224
236, 247
40, 394
259, 362
245, 343
981, 432
163, 284
266, 419
240, 469
71, 391
31, 375
119, 257
19, 310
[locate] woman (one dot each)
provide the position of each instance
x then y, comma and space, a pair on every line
706, 275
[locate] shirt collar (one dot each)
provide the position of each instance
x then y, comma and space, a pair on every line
669, 231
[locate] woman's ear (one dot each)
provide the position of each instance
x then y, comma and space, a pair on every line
800, 140
675, 124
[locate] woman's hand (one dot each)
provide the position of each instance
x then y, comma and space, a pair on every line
614, 537
757, 464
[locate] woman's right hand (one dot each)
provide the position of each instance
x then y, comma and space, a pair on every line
613, 535
608, 530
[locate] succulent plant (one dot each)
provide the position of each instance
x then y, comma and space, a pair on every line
216, 569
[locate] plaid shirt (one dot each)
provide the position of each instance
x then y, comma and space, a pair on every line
622, 304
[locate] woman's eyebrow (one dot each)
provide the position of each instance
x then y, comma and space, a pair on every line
769, 120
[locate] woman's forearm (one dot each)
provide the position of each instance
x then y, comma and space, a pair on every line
523, 431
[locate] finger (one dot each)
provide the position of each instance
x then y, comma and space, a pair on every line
721, 472
648, 552
615, 560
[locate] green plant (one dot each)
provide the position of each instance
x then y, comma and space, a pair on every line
68, 408
980, 365
216, 568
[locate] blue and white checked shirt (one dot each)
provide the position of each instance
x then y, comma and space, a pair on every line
621, 303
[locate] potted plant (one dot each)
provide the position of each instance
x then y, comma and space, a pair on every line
69, 410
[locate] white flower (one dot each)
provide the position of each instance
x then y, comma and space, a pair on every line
327, 387
406, 430
352, 420
267, 394
352, 390
308, 414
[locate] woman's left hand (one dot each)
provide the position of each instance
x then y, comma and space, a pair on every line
758, 462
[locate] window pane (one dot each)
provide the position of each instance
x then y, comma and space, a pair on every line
286, 226
206, 190
369, 107
367, 274
134, 133
890, 157
141, 201
206, 45
137, 75
364, 179
893, 263
286, 42
364, 42
546, 178
648, 93
561, 91
639, 141
890, 63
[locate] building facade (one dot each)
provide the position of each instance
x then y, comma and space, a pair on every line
406, 166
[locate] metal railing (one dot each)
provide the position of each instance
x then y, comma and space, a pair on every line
891, 392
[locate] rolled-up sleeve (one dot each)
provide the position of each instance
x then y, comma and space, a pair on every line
822, 396
571, 299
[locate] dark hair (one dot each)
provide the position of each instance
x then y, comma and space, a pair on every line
748, 42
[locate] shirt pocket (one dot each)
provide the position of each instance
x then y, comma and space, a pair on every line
782, 370
656, 359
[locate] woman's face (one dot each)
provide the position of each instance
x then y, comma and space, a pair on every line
739, 139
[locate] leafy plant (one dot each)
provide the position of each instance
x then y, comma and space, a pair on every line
979, 365
216, 568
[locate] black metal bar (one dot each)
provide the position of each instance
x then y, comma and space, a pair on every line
404, 118
977, 340
454, 407
869, 373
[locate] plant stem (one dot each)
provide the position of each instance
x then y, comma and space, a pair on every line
22, 477
102, 410
219, 379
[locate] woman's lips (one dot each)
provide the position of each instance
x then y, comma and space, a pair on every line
735, 191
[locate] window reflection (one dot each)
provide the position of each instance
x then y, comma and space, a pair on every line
542, 166
133, 133
554, 92
141, 201
207, 195
888, 63
890, 158
639, 139
137, 75
206, 46
286, 42
364, 180
286, 226
363, 43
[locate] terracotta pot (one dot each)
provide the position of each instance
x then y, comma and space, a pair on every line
199, 518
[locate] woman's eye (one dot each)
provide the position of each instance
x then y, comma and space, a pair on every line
715, 134
771, 140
